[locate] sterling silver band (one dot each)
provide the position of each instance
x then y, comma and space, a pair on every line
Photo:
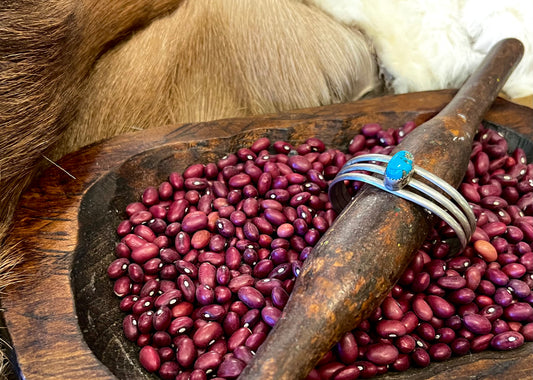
453, 208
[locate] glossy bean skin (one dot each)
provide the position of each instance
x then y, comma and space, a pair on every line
208, 361
438, 303
149, 359
478, 324
390, 328
206, 334
508, 340
382, 354
230, 368
440, 352
347, 348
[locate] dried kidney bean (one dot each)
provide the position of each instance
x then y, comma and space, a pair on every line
241, 228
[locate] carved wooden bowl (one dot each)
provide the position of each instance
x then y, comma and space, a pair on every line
63, 317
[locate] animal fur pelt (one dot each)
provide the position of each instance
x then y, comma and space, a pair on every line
429, 45
47, 48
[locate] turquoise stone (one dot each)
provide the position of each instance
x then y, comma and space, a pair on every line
399, 170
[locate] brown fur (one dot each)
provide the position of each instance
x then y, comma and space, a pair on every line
47, 49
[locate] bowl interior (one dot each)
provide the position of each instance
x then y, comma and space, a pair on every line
102, 209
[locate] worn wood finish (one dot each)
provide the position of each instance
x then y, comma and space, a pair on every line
363, 254
62, 316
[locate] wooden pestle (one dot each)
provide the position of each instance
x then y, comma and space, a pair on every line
356, 263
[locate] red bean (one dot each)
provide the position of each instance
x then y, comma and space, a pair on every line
526, 229
127, 302
144, 253
470, 193
161, 339
391, 309
503, 297
481, 342
508, 340
451, 282
230, 368
420, 357
200, 239
140, 217
169, 370
440, 352
347, 349
347, 373
243, 353
527, 332
194, 221
495, 228
187, 268
496, 276
390, 328
162, 318
238, 338
514, 270
245, 244
440, 307
149, 358
145, 321
478, 324
129, 326
279, 297
405, 344
382, 354
410, 321
492, 312
270, 315
426, 331
518, 312
251, 297
208, 361
144, 232
134, 207
366, 368
238, 282
118, 268
460, 346
445, 335
207, 334
329, 370
422, 309
122, 286
187, 287
150, 196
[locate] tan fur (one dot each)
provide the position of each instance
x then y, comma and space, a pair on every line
222, 58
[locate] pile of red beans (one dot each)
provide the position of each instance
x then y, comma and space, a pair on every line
207, 260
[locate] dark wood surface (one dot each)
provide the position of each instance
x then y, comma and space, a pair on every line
62, 316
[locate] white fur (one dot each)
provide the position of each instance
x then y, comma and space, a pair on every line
432, 44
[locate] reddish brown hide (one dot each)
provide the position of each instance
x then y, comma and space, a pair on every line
364, 253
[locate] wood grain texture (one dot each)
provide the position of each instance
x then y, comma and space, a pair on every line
62, 316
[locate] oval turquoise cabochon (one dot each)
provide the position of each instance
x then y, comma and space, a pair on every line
400, 165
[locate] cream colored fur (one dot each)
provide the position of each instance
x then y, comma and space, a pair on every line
427, 45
